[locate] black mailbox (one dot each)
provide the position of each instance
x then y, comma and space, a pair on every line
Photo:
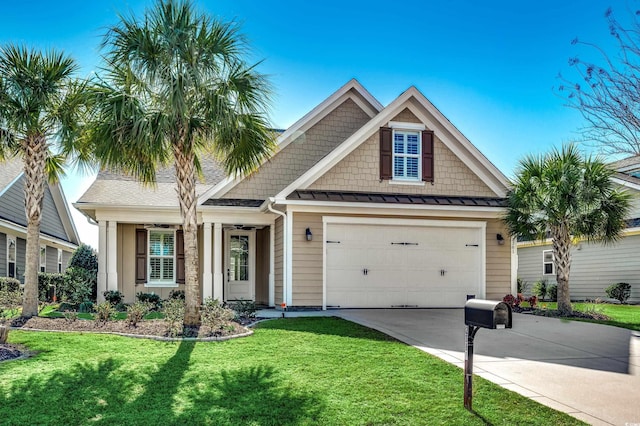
487, 314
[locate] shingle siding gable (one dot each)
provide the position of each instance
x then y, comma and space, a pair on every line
302, 153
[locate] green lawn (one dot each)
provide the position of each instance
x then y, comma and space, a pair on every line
626, 316
305, 371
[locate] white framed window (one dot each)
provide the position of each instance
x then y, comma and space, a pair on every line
548, 264
43, 258
11, 257
59, 261
407, 155
161, 260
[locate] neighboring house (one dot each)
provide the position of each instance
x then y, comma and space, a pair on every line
361, 206
594, 266
58, 235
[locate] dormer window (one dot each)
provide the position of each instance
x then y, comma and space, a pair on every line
406, 153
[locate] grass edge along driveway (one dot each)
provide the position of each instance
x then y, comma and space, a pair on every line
298, 371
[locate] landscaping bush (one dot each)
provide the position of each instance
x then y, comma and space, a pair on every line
151, 298
513, 301
552, 291
173, 310
244, 309
533, 301
540, 289
76, 286
113, 297
523, 286
619, 291
136, 312
214, 315
85, 259
105, 311
10, 300
48, 285
9, 283
176, 294
86, 306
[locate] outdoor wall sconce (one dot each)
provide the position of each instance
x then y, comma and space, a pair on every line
309, 234
500, 239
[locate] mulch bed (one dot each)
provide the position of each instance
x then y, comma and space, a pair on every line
552, 313
156, 329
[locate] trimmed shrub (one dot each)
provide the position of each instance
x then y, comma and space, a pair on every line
136, 312
76, 286
533, 301
10, 301
552, 292
151, 298
244, 309
214, 315
176, 294
173, 310
105, 311
86, 260
113, 297
619, 291
540, 289
9, 283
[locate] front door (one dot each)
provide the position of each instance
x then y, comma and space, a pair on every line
240, 265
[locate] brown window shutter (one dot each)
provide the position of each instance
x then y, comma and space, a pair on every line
386, 153
141, 256
180, 257
427, 156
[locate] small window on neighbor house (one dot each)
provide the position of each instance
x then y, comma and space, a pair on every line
11, 256
59, 261
43, 258
161, 256
548, 265
407, 155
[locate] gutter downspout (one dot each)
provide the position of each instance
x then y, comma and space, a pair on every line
272, 201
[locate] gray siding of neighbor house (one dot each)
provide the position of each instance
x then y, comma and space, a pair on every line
21, 251
594, 267
52, 260
12, 209
66, 258
3, 255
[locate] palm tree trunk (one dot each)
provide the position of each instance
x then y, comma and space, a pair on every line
562, 255
186, 182
34, 163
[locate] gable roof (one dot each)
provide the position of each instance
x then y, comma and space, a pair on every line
434, 119
11, 174
352, 90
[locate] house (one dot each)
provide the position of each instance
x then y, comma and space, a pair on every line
58, 235
594, 266
362, 205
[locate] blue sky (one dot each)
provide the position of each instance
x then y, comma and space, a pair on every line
490, 67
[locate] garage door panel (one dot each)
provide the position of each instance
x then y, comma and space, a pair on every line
404, 264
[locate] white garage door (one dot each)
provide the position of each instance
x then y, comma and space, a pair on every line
378, 266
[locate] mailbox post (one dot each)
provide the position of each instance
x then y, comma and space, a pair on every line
480, 314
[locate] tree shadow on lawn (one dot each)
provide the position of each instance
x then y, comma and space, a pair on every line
333, 326
102, 392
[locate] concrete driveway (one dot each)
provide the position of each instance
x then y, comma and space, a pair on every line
588, 370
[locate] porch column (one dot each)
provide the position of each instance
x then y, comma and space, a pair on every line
102, 259
272, 264
207, 276
217, 261
112, 255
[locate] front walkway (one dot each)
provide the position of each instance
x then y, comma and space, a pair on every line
588, 370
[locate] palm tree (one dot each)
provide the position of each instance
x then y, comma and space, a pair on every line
565, 196
175, 86
41, 107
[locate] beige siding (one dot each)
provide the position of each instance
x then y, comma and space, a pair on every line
279, 259
360, 172
262, 266
498, 261
301, 154
406, 116
127, 267
307, 260
594, 267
